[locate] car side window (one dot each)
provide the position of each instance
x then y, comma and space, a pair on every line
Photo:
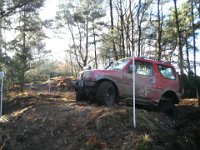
167, 72
143, 68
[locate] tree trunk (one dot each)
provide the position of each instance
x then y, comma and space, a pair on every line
194, 46
128, 46
80, 43
1, 43
132, 28
112, 28
120, 41
72, 65
179, 41
75, 49
86, 42
187, 54
23, 56
198, 98
122, 30
95, 48
194, 41
139, 29
159, 30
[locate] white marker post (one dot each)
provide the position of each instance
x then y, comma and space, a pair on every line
1, 91
134, 116
49, 80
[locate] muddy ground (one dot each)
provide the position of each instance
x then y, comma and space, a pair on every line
39, 121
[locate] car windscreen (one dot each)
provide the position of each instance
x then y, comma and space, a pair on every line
120, 64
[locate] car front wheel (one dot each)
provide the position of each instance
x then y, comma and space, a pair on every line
105, 94
80, 96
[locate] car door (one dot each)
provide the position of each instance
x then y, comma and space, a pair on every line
144, 81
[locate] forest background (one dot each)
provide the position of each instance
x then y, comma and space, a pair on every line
97, 31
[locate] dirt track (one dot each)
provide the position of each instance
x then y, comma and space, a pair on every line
56, 121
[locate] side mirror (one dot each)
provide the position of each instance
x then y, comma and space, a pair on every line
110, 64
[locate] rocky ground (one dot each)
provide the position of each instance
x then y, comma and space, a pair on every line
56, 121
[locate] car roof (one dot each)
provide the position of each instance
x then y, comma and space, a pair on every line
150, 60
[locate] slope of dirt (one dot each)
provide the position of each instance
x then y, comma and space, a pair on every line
56, 121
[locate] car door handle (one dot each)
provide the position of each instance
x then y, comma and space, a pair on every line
152, 80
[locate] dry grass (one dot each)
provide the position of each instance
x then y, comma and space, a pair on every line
193, 102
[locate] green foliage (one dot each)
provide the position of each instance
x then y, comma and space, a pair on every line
190, 83
169, 40
90, 31
26, 41
144, 145
107, 45
11, 7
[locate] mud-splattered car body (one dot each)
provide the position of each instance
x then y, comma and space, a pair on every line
155, 82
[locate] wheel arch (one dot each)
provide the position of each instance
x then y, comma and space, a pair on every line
171, 96
114, 84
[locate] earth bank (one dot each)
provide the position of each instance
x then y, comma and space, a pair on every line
56, 121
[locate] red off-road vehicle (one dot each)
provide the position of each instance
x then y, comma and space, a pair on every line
156, 83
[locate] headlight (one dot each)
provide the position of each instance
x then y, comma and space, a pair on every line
87, 74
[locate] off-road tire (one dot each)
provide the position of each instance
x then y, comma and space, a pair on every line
105, 94
169, 109
80, 96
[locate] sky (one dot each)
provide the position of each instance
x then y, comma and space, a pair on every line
55, 44
59, 45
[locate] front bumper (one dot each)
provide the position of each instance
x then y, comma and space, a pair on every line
88, 88
84, 84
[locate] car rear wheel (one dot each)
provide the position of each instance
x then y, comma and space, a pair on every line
169, 109
106, 94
